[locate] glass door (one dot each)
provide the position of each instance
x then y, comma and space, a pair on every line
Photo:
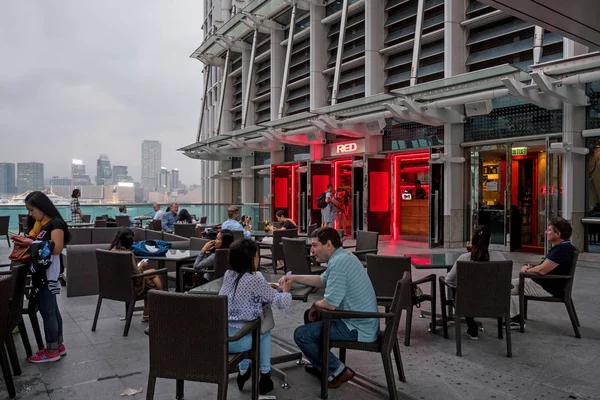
320, 175
377, 193
303, 214
490, 181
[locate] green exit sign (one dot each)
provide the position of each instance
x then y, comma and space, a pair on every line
519, 151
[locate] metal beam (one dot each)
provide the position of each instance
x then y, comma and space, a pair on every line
203, 103
538, 43
340, 52
441, 114
517, 89
211, 60
414, 69
222, 95
264, 22
286, 66
232, 44
554, 88
402, 112
249, 84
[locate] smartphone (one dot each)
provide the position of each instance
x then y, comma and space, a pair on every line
144, 260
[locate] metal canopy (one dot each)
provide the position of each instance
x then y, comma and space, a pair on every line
471, 82
575, 19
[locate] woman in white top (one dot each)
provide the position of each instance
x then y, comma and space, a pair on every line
480, 242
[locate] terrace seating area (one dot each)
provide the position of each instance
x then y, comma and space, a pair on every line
104, 363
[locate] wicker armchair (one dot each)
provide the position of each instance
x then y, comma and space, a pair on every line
276, 248
100, 223
116, 281
311, 228
384, 272
156, 225
566, 299
220, 266
4, 221
185, 230
23, 224
123, 220
297, 258
238, 235
385, 343
178, 320
366, 243
19, 280
482, 290
5, 333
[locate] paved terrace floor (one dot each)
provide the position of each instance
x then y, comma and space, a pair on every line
548, 361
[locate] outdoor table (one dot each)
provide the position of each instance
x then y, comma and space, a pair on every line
298, 292
142, 218
206, 226
80, 224
180, 257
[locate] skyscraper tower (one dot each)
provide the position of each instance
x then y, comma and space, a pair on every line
78, 175
175, 178
30, 176
7, 178
151, 159
103, 171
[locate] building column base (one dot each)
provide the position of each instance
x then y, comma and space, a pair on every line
453, 229
578, 236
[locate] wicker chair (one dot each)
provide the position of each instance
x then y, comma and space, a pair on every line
311, 229
5, 333
482, 290
86, 218
276, 247
4, 221
185, 230
197, 243
156, 225
123, 220
18, 272
203, 220
238, 235
220, 266
297, 258
100, 223
178, 320
116, 281
384, 272
385, 343
366, 243
23, 224
566, 299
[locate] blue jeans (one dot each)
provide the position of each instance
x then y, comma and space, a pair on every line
308, 339
245, 343
53, 326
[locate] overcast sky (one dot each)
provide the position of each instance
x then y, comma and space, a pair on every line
80, 78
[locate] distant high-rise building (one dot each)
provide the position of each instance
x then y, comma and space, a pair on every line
30, 176
78, 175
164, 181
175, 184
58, 181
151, 159
104, 174
7, 178
120, 174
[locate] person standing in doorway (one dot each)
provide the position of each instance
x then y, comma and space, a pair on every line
329, 212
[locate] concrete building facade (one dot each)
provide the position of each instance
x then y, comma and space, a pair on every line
449, 112
30, 176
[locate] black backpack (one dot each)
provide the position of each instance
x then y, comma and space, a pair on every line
321, 200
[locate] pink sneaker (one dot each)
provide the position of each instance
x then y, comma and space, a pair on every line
61, 349
44, 356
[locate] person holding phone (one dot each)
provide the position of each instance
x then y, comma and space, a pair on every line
123, 241
206, 258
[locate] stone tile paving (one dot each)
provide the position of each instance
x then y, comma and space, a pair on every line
548, 361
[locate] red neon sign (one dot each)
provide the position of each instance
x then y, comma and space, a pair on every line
346, 148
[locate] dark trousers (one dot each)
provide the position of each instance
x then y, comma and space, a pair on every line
53, 325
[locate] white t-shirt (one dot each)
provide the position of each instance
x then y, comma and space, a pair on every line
158, 216
451, 277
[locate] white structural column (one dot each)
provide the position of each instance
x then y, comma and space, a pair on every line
277, 61
224, 79
225, 184
318, 58
248, 77
248, 180
375, 35
573, 194
340, 53
288, 57
454, 64
414, 68
203, 101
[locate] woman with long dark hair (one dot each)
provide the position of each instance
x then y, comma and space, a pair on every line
51, 233
185, 217
123, 241
247, 293
480, 252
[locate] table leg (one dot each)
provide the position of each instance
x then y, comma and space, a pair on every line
297, 356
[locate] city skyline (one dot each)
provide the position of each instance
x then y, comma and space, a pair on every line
99, 90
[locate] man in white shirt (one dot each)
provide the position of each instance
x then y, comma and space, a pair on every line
159, 214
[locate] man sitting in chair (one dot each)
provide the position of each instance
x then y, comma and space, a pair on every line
557, 262
347, 287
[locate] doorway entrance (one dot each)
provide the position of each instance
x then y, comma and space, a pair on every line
514, 191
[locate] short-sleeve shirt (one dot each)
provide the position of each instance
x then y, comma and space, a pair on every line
329, 207
287, 224
348, 287
561, 255
75, 217
53, 271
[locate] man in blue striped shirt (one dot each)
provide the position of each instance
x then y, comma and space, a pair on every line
348, 288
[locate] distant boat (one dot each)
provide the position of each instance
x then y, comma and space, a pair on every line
20, 199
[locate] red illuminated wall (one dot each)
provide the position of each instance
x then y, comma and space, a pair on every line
379, 191
281, 192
